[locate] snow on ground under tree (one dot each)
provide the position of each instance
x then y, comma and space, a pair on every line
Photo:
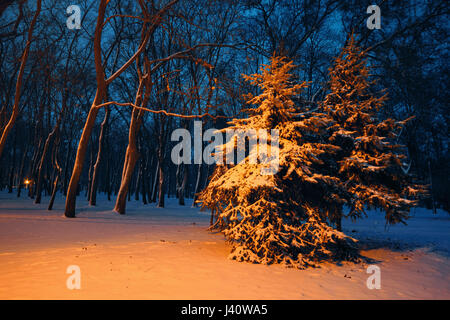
154, 253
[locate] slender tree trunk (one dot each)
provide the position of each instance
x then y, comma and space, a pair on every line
149, 166
138, 182
161, 187
48, 141
66, 167
144, 180
90, 172
182, 188
13, 166
16, 109
108, 179
431, 186
197, 185
55, 188
129, 193
33, 168
22, 165
178, 181
131, 157
169, 183
115, 185
103, 129
155, 183
58, 170
161, 150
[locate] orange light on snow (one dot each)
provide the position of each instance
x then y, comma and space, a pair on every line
27, 181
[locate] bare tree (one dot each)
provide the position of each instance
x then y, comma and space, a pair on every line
15, 110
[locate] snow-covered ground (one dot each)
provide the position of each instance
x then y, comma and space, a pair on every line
154, 253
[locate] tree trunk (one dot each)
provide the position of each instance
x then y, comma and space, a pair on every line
90, 172
433, 204
155, 183
131, 157
33, 169
161, 151
181, 190
48, 141
92, 115
103, 129
16, 109
81, 155
144, 180
138, 182
22, 165
58, 171
108, 178
55, 188
13, 166
66, 167
197, 185
161, 187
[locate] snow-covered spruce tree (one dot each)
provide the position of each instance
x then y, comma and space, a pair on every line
277, 218
370, 161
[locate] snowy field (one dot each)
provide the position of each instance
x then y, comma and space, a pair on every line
154, 253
